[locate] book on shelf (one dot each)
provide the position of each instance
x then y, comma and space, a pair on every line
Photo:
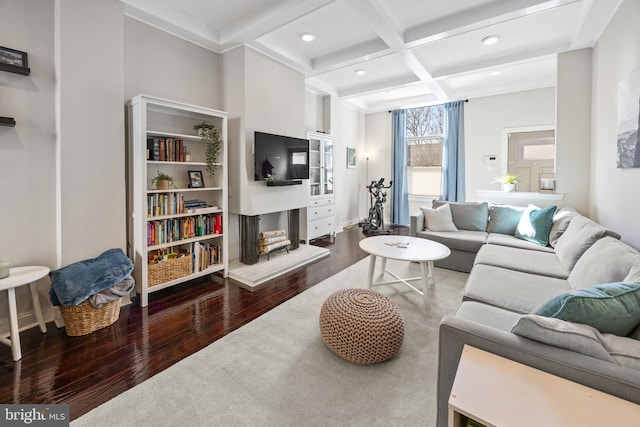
160, 232
153, 147
203, 210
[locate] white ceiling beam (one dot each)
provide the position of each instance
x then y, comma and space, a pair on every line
378, 86
374, 12
197, 32
267, 19
594, 18
498, 61
349, 56
407, 102
478, 17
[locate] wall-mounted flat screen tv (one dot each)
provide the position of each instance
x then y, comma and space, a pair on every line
280, 158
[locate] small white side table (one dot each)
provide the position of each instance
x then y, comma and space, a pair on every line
19, 276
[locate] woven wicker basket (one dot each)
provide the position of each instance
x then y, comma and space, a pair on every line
169, 270
82, 319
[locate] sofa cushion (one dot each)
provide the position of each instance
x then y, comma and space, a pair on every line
471, 216
438, 219
464, 240
625, 351
576, 337
611, 308
634, 274
561, 220
504, 219
577, 238
535, 224
487, 315
607, 260
513, 290
514, 242
535, 262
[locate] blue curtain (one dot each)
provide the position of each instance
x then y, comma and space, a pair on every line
399, 190
453, 153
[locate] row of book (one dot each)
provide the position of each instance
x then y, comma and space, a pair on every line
165, 204
203, 255
166, 149
176, 229
160, 204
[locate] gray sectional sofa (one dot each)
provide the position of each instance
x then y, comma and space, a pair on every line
514, 283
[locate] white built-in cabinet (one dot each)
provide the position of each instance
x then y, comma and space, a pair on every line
320, 214
180, 233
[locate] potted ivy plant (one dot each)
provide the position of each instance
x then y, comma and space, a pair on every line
162, 181
209, 134
508, 182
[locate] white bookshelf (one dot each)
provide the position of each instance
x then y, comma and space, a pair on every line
156, 223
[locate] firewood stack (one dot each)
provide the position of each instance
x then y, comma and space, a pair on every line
272, 240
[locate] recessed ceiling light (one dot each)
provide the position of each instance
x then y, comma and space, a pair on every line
489, 40
361, 72
495, 73
308, 37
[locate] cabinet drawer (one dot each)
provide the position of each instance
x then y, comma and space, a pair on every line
320, 212
321, 202
321, 227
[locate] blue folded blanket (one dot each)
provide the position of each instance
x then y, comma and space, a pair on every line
75, 283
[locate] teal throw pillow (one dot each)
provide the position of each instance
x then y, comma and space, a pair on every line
535, 224
611, 308
504, 219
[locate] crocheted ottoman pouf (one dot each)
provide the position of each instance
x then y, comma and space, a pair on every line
361, 326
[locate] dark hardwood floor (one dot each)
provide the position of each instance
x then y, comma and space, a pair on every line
87, 371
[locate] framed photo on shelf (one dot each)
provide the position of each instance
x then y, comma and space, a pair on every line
14, 61
351, 158
196, 180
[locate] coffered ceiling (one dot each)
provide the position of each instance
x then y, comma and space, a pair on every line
408, 52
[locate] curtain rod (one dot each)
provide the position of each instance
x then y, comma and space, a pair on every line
389, 111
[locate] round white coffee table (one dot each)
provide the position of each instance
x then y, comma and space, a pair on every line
404, 248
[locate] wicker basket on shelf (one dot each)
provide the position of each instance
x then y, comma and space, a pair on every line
82, 319
169, 270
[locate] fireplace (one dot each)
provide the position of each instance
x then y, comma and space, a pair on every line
250, 231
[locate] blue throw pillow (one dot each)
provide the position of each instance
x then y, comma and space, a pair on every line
535, 224
611, 308
504, 219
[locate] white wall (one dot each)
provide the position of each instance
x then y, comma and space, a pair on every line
28, 150
485, 121
378, 148
573, 132
614, 198
159, 64
349, 131
91, 142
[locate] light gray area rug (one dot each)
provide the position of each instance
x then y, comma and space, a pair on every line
276, 371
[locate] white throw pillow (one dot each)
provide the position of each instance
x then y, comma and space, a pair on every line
439, 219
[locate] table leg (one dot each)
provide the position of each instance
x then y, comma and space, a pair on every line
14, 330
37, 308
431, 276
383, 266
372, 267
424, 269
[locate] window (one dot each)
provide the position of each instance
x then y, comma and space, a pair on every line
425, 130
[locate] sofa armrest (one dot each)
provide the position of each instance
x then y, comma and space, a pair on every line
417, 223
598, 374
